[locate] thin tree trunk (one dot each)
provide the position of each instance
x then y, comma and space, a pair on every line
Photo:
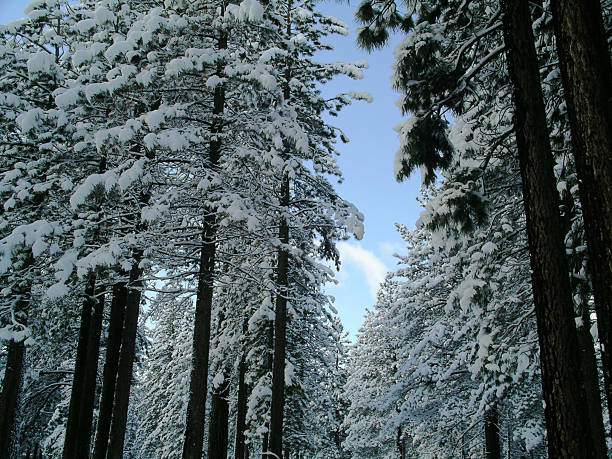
264, 446
280, 331
111, 365
491, 430
566, 417
126, 361
241, 408
586, 74
89, 383
196, 406
10, 396
77, 394
399, 442
277, 407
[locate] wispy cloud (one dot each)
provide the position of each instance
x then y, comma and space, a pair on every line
391, 248
365, 261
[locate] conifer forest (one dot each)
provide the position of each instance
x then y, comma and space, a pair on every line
169, 220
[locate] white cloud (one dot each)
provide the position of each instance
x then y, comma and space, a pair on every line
391, 248
365, 261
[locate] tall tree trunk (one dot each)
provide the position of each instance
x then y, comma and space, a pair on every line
77, 394
277, 407
219, 421
586, 74
89, 383
10, 396
241, 410
566, 416
126, 361
280, 332
196, 406
241, 406
111, 365
491, 430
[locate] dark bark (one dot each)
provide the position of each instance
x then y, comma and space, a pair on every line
277, 407
491, 431
89, 383
196, 406
586, 74
280, 333
264, 446
77, 394
566, 416
111, 365
10, 396
219, 422
126, 361
590, 380
241, 409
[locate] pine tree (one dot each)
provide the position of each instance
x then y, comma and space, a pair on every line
554, 311
585, 67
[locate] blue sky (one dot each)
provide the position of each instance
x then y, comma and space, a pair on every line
367, 165
366, 162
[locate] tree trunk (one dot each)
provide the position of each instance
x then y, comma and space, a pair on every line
196, 406
219, 421
268, 366
566, 416
264, 446
586, 74
277, 407
91, 374
280, 331
241, 409
126, 361
590, 380
399, 443
491, 430
10, 396
111, 365
77, 394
